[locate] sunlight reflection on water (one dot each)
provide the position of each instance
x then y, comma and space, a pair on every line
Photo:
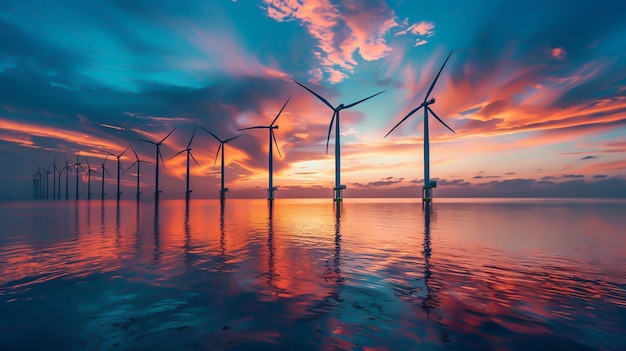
505, 274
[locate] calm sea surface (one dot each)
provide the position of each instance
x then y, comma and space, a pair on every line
384, 275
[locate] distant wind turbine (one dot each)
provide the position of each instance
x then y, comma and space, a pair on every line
89, 172
338, 190
222, 146
271, 188
104, 170
188, 150
156, 161
54, 178
428, 184
48, 181
138, 162
67, 169
119, 169
77, 165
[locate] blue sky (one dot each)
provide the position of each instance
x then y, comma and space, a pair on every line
536, 93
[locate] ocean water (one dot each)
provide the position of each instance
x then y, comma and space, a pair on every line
374, 274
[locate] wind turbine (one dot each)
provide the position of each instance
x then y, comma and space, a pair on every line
188, 150
48, 181
59, 171
428, 184
67, 170
271, 188
138, 162
54, 178
156, 160
77, 165
104, 170
222, 146
338, 190
89, 171
119, 169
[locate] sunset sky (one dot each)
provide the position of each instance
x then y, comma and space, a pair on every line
536, 93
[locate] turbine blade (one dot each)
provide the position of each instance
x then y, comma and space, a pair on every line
279, 112
330, 128
126, 149
437, 77
161, 157
404, 119
318, 96
215, 136
167, 136
276, 143
66, 163
105, 158
147, 141
194, 159
176, 154
439, 119
88, 165
134, 152
257, 127
107, 171
233, 138
192, 135
360, 101
217, 154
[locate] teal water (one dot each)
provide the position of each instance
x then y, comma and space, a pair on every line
375, 274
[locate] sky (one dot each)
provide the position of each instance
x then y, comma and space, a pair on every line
536, 95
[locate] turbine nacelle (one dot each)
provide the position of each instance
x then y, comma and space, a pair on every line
429, 102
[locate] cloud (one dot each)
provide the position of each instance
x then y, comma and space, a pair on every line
589, 157
600, 176
573, 176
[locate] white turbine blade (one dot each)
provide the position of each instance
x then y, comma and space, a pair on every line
279, 112
192, 135
233, 138
217, 154
215, 136
194, 159
318, 96
437, 77
360, 101
330, 128
276, 143
404, 119
167, 136
439, 119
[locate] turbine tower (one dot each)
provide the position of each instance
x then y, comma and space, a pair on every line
119, 169
271, 188
138, 162
428, 184
77, 165
338, 190
156, 161
222, 146
104, 170
67, 170
188, 150
54, 178
89, 171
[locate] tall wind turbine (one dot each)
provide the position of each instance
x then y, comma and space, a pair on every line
188, 150
138, 162
104, 170
78, 165
271, 188
89, 172
67, 170
428, 184
119, 169
222, 146
54, 178
156, 161
338, 190
60, 171
48, 181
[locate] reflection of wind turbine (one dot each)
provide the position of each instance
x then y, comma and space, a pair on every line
89, 171
428, 184
104, 170
222, 146
338, 190
138, 162
119, 169
271, 188
188, 150
156, 161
